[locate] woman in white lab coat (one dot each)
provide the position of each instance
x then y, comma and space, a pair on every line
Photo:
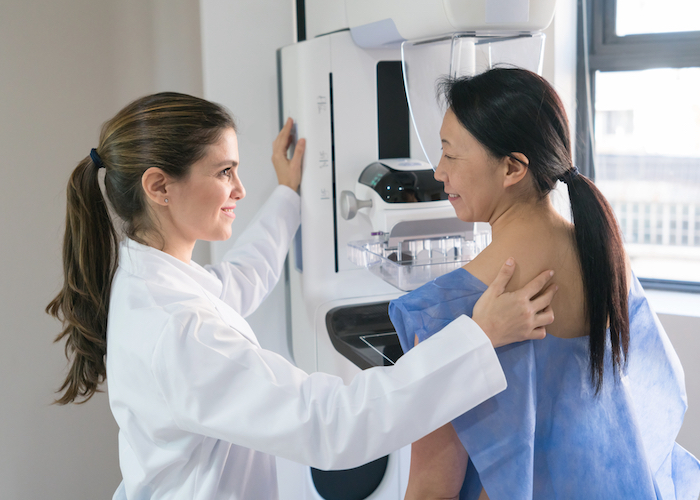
202, 409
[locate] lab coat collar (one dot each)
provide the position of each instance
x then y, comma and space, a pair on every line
147, 263
155, 266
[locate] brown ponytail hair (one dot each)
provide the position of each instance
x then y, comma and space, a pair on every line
166, 130
512, 110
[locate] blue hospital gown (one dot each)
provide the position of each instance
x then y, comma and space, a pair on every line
548, 435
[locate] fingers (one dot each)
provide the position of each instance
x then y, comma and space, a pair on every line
540, 322
544, 317
298, 153
288, 170
538, 333
535, 286
283, 134
545, 299
290, 135
283, 139
498, 285
287, 127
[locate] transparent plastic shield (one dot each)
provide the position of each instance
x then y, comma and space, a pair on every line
382, 349
425, 62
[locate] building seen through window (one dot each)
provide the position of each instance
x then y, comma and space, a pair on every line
647, 136
645, 94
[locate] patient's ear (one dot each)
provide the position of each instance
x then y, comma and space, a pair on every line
517, 166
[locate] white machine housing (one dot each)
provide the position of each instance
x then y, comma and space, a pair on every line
392, 21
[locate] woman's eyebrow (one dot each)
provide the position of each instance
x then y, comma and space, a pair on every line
233, 163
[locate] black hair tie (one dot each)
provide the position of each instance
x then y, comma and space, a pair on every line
569, 175
96, 158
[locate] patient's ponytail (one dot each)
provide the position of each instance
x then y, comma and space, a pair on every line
89, 262
510, 110
601, 253
168, 130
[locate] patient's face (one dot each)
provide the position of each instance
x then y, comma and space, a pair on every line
470, 173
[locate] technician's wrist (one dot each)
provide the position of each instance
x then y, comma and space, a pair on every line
287, 189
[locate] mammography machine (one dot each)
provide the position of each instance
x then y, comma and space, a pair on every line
375, 223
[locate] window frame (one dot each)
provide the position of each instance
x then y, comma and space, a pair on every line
599, 48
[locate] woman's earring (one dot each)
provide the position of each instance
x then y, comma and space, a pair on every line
166, 200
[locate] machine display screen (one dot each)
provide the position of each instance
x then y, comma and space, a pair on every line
402, 186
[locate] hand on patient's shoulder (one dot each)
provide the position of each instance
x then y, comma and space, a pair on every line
523, 314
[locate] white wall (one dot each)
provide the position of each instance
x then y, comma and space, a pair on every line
684, 332
66, 66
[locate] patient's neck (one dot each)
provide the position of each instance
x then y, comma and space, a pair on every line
525, 216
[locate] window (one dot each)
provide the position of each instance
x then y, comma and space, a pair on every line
638, 128
638, 17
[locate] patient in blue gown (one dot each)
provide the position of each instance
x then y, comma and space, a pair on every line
593, 410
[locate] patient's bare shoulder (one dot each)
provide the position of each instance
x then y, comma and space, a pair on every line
486, 265
536, 249
532, 253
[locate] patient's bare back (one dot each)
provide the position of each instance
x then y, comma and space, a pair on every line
537, 244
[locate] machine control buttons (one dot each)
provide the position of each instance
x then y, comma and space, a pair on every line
322, 104
323, 159
349, 204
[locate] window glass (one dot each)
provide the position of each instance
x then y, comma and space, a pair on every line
647, 133
635, 17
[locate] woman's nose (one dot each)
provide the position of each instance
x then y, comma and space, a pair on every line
439, 174
237, 189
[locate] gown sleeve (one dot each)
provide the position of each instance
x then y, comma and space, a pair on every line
434, 305
252, 267
256, 399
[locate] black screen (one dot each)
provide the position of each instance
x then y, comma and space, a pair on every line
392, 111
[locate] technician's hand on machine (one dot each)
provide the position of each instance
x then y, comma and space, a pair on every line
288, 171
508, 317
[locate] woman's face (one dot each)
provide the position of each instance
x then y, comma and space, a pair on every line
470, 173
202, 204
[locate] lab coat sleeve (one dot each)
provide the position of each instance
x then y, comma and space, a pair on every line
251, 268
218, 384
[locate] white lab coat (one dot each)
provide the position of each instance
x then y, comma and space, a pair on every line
202, 409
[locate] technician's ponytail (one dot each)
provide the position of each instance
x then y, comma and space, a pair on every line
89, 262
511, 110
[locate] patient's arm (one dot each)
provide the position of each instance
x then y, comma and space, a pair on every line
438, 464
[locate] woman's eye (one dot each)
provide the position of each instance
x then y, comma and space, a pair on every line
226, 172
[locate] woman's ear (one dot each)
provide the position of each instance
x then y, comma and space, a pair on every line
155, 184
517, 166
